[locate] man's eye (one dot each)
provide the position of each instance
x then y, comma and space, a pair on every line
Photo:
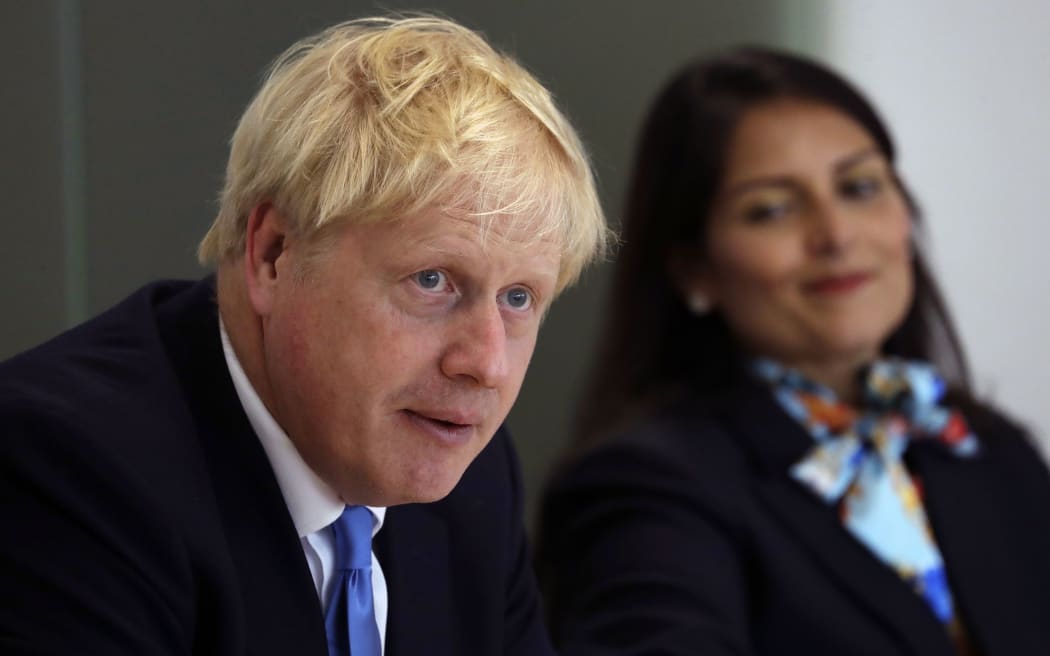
431, 279
518, 298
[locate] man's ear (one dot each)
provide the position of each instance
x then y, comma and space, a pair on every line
265, 241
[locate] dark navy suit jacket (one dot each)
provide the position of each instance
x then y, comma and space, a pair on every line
686, 535
141, 515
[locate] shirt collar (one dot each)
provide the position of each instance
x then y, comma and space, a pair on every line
312, 503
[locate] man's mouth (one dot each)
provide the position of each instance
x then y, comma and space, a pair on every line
451, 427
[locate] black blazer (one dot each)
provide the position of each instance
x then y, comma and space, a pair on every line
686, 535
141, 515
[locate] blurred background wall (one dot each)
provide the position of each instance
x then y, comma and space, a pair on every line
116, 116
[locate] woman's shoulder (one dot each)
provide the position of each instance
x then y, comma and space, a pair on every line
1007, 443
685, 439
994, 427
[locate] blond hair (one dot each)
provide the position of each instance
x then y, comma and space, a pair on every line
377, 118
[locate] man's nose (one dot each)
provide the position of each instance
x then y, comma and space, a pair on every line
478, 346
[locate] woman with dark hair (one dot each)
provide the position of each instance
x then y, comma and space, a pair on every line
779, 451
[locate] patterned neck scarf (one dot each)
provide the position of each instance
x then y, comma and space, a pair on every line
857, 462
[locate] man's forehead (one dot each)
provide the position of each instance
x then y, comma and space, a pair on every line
451, 229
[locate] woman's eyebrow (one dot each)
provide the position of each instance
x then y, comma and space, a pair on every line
855, 158
759, 182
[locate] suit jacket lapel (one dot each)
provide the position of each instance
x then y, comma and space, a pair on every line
413, 550
282, 614
775, 442
967, 503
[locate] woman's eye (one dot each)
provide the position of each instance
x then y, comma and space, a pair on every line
518, 298
762, 212
860, 188
431, 279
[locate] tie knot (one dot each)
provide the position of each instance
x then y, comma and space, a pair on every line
353, 538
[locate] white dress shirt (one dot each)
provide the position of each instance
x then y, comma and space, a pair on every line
312, 504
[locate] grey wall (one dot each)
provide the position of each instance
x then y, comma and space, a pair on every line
117, 114
32, 266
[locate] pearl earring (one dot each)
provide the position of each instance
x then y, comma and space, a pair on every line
698, 303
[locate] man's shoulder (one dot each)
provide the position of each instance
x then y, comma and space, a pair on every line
102, 472
97, 421
95, 383
108, 348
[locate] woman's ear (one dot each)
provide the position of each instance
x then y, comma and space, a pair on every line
691, 275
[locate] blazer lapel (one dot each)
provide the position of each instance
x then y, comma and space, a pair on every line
413, 550
775, 442
282, 614
989, 566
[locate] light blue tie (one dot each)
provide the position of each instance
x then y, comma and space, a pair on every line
350, 621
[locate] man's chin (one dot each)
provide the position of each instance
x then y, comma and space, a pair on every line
426, 489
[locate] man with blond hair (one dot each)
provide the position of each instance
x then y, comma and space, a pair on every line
303, 453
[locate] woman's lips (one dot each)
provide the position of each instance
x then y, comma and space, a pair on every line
837, 285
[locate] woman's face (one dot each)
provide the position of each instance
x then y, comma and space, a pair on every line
808, 239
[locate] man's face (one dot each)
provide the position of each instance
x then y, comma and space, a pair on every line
393, 356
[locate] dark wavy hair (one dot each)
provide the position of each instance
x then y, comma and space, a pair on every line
652, 346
